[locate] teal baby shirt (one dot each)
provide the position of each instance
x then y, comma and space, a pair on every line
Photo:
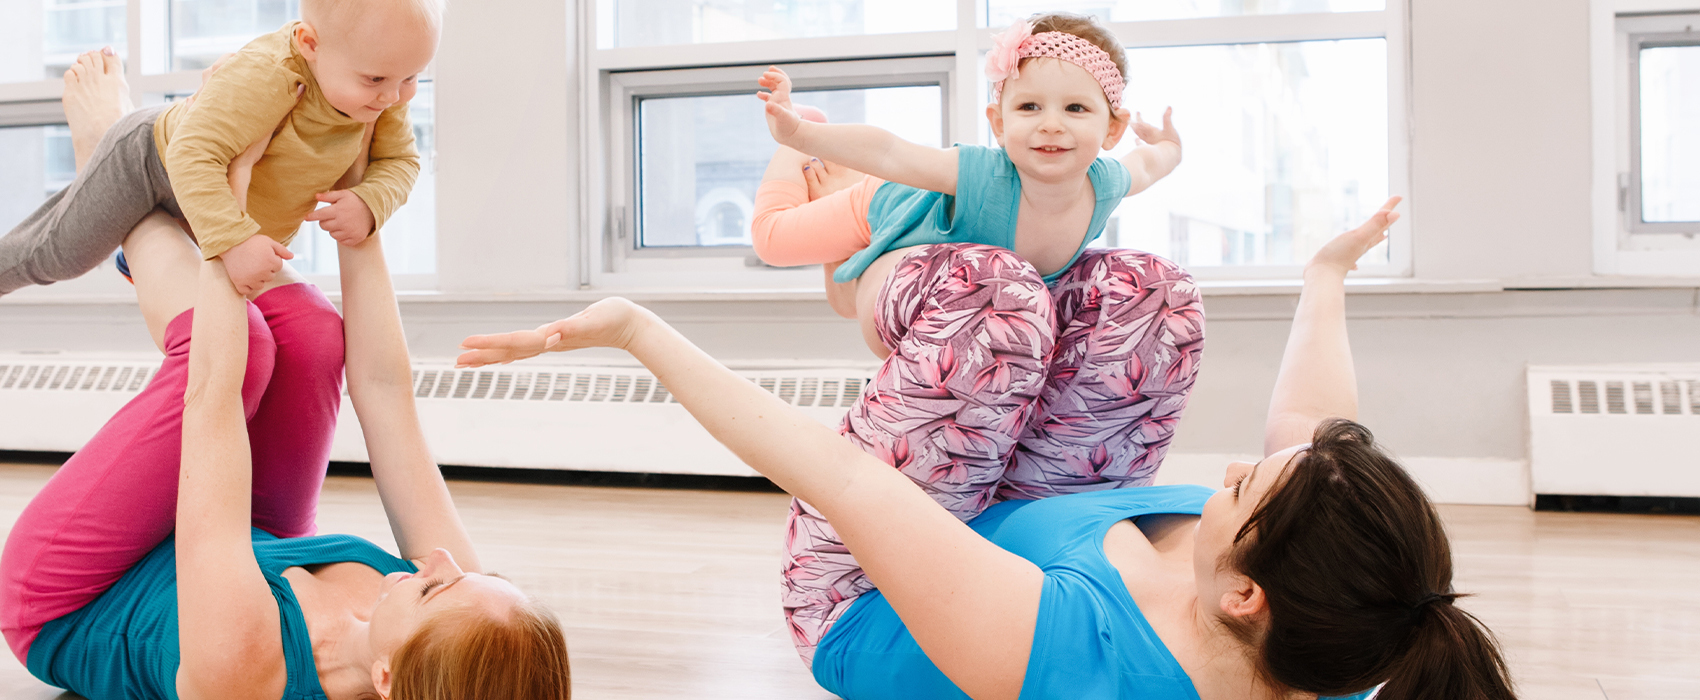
988, 196
124, 644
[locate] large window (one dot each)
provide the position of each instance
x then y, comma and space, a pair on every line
1665, 117
1647, 146
40, 38
1293, 127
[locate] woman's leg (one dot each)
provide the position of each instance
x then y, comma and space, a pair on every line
291, 430
970, 331
1131, 333
116, 499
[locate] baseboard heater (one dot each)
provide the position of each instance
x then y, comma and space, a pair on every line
1625, 430
573, 417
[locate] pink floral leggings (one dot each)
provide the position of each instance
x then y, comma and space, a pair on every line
999, 388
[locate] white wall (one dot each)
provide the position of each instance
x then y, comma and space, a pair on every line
1501, 162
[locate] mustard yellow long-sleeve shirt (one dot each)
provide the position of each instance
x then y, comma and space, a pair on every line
248, 97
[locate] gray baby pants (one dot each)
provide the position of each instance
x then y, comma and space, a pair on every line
77, 228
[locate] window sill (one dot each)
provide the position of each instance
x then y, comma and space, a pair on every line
1214, 288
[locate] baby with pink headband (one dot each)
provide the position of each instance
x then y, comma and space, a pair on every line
1057, 85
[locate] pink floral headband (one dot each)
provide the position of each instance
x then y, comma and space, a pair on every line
1004, 60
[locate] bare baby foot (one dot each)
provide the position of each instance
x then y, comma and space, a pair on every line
96, 95
825, 177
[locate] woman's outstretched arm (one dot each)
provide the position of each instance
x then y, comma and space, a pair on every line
1316, 381
227, 621
970, 604
380, 383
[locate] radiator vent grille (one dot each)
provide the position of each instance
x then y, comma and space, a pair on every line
601, 385
126, 378
588, 385
1627, 397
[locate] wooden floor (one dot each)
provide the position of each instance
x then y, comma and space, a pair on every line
673, 594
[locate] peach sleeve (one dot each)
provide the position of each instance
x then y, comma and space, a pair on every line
791, 230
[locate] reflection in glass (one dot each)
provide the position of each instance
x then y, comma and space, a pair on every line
1670, 134
203, 30
1285, 146
667, 22
1000, 13
39, 162
701, 158
410, 236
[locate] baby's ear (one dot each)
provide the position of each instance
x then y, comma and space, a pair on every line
995, 115
1120, 120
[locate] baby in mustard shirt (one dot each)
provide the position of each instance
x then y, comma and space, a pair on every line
328, 90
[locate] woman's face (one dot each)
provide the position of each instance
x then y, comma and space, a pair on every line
406, 601
1225, 513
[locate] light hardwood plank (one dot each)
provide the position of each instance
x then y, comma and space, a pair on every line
673, 593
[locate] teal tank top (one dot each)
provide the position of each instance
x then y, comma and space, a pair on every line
988, 195
124, 644
1090, 643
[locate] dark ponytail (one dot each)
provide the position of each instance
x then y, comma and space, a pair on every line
1451, 655
1357, 572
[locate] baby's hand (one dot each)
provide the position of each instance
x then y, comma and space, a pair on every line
347, 219
782, 119
253, 263
1152, 135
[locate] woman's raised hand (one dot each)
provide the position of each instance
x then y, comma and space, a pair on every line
610, 323
1342, 253
782, 118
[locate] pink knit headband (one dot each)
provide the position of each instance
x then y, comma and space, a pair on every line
1004, 60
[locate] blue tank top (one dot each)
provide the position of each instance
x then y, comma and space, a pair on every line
1090, 642
988, 196
124, 644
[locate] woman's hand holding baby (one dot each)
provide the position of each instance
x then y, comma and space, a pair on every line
782, 119
253, 263
611, 323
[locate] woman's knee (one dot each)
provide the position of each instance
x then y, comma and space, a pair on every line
958, 276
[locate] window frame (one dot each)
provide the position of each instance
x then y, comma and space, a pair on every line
612, 260
1619, 248
1633, 212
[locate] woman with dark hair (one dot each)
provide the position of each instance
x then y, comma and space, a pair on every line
174, 556
1321, 570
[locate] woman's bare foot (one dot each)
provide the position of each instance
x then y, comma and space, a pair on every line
96, 95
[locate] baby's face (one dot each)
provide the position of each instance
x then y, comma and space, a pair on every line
1053, 120
363, 73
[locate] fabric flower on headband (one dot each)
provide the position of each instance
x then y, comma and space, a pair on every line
1004, 60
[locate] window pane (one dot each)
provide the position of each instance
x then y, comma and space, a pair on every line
39, 39
1670, 134
1286, 146
203, 30
410, 236
665, 22
39, 162
1001, 13
701, 158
